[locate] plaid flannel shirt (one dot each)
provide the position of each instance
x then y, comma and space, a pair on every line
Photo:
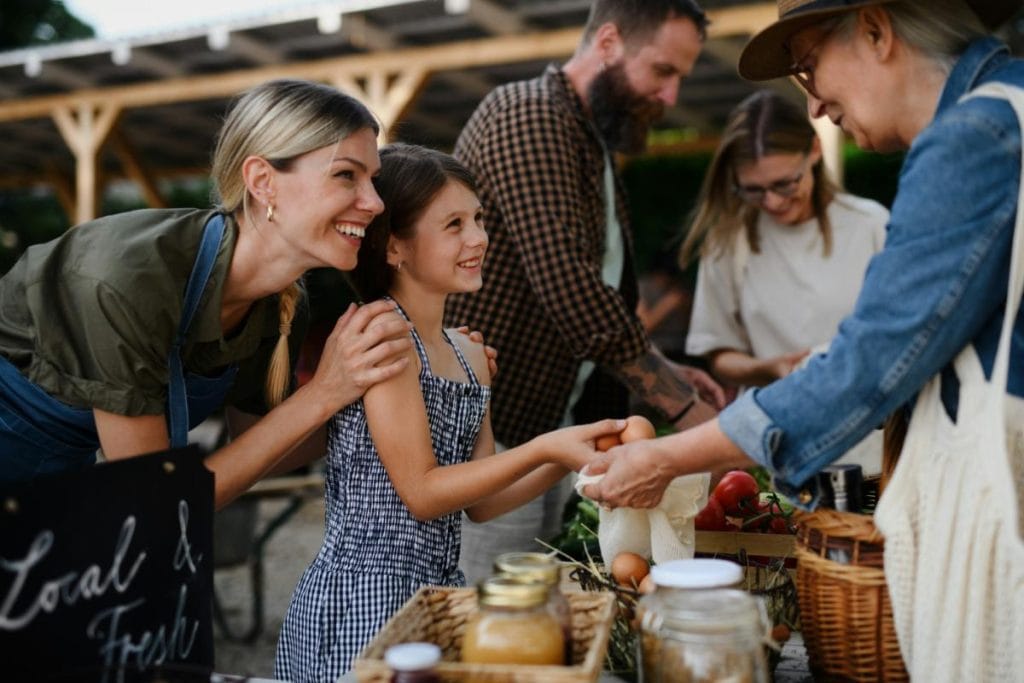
543, 305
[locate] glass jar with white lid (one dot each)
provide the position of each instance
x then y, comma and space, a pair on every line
696, 627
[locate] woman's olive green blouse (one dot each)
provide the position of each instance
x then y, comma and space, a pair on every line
90, 316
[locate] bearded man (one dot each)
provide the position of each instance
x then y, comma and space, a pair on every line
559, 296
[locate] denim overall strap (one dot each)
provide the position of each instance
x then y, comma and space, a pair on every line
177, 401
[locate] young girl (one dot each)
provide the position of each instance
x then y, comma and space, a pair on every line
418, 449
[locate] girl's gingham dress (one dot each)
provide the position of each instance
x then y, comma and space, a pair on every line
375, 555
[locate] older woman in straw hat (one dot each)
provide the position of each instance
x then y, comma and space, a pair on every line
894, 75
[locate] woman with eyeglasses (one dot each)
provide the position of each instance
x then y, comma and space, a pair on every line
783, 250
936, 329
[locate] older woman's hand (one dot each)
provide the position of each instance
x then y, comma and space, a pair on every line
634, 476
369, 344
637, 473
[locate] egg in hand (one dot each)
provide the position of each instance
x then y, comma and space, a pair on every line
637, 427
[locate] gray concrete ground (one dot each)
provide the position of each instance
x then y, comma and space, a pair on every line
289, 550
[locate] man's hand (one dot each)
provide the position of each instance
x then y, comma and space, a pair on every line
780, 366
707, 388
684, 394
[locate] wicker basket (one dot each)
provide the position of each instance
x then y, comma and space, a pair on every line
438, 615
845, 611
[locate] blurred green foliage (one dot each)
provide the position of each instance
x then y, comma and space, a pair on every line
872, 175
663, 191
27, 218
30, 217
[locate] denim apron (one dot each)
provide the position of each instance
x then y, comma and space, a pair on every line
40, 434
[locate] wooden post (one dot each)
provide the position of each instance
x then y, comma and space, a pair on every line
832, 139
85, 128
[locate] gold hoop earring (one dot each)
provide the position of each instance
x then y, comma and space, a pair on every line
270, 213
399, 266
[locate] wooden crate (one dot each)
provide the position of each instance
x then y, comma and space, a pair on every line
733, 542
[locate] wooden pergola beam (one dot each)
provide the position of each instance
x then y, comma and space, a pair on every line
459, 55
495, 18
388, 80
741, 20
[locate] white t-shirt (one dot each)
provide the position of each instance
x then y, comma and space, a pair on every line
790, 296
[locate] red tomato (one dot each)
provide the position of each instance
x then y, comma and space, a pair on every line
711, 518
779, 525
737, 493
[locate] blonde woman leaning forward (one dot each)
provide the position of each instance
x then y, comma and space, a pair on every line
933, 325
127, 330
783, 251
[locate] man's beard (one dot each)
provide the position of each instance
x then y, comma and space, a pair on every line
621, 116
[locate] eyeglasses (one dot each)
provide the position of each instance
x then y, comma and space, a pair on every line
801, 71
787, 187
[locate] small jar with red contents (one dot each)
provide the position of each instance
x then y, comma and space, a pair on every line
413, 662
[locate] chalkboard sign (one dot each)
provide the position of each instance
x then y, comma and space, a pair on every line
106, 574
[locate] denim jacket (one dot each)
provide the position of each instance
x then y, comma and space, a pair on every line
938, 285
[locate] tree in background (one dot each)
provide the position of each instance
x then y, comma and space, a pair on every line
39, 22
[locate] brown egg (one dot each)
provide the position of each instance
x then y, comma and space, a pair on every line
606, 442
637, 427
629, 569
647, 585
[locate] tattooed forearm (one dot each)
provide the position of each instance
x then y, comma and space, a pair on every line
652, 378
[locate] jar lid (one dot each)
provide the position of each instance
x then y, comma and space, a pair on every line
528, 566
504, 591
412, 656
697, 573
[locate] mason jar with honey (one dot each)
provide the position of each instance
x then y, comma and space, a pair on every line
512, 625
544, 569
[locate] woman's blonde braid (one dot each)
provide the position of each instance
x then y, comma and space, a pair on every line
279, 372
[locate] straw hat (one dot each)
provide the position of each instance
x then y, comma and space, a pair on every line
765, 56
